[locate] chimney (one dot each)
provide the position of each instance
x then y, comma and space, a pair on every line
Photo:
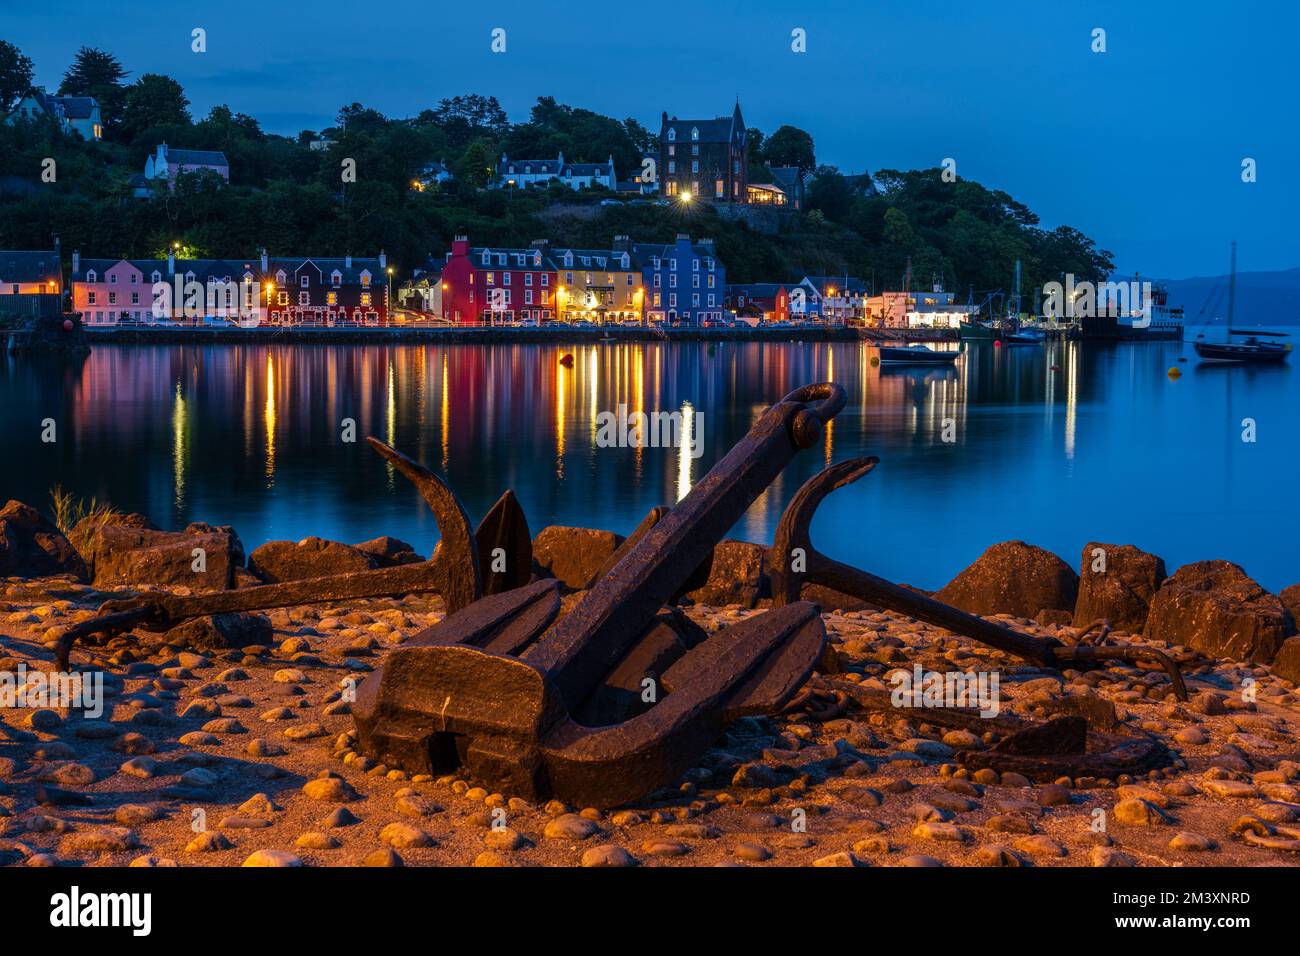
459, 246
76, 261
622, 244
705, 244
347, 261
383, 259
266, 263
663, 121
171, 262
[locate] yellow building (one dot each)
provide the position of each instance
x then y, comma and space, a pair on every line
598, 285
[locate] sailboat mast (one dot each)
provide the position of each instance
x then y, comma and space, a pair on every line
1232, 284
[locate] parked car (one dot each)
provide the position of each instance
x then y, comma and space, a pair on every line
611, 202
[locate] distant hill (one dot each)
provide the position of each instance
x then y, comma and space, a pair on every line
1263, 298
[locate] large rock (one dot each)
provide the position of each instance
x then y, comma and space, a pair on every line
1120, 593
1290, 598
1013, 578
219, 632
1287, 662
308, 558
573, 555
32, 547
236, 546
1216, 608
737, 574
121, 554
389, 552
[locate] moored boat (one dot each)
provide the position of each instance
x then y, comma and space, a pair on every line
915, 355
1250, 351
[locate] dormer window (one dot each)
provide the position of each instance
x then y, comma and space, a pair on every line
157, 276
672, 134
189, 277
625, 262
336, 278
568, 260
695, 134
90, 275
279, 277
487, 258
365, 280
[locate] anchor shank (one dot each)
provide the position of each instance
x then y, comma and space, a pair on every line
591, 639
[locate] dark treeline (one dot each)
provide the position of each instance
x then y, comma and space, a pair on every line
293, 199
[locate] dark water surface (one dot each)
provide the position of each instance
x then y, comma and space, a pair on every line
1102, 447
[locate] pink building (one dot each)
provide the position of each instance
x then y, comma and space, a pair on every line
169, 163
110, 291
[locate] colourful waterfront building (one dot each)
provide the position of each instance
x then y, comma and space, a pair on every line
497, 285
597, 285
685, 282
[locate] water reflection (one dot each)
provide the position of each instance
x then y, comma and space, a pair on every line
1059, 445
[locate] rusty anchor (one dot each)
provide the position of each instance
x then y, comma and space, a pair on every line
509, 692
794, 540
456, 570
1064, 746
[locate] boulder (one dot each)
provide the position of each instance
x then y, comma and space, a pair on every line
32, 547
121, 554
389, 552
1290, 598
1013, 578
220, 632
573, 555
1216, 608
1286, 664
308, 558
236, 546
737, 574
1121, 592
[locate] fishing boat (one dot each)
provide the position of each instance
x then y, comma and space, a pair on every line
1024, 337
977, 331
915, 355
1251, 350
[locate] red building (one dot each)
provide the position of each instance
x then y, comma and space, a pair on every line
491, 286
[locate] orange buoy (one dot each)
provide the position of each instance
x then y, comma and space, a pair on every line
875, 361
1175, 372
567, 360
67, 325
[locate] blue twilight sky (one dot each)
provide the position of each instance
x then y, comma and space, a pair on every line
1140, 147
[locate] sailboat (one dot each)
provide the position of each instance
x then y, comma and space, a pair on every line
1250, 349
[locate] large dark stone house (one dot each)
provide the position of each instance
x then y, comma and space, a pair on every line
706, 158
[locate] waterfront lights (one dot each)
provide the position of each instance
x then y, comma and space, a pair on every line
686, 196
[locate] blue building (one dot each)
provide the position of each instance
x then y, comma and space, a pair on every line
685, 282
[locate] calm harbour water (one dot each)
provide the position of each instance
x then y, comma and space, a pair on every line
1102, 447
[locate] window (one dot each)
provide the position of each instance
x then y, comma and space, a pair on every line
365, 298
135, 279
528, 296
695, 300
491, 278
695, 281
304, 298
711, 278
672, 265
672, 280
505, 278
657, 282
112, 279
695, 264
303, 282
283, 298
719, 189
672, 300
672, 134
331, 298
672, 165
135, 298
695, 165
528, 278
695, 133
90, 275
711, 302
90, 298
365, 280
657, 302
546, 278
112, 298
280, 277
157, 276
336, 278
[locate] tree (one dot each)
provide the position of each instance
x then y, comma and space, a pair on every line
790, 146
154, 100
476, 164
98, 74
757, 143
831, 193
16, 71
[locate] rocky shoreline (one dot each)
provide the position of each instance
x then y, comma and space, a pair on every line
229, 740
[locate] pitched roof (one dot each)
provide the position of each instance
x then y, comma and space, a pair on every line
788, 178
720, 129
79, 107
756, 290
196, 157
29, 266
839, 283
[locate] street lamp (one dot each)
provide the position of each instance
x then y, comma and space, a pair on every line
388, 297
